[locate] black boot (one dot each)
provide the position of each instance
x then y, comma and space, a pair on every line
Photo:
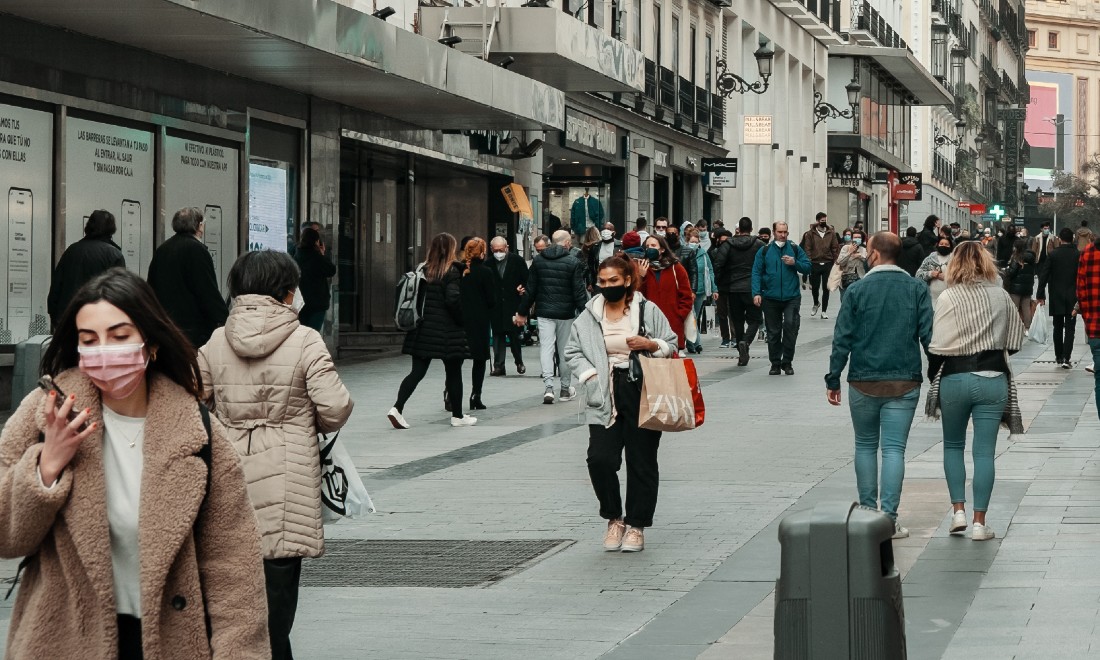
475, 402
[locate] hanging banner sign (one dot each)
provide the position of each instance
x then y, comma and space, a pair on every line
516, 198
908, 187
757, 129
720, 172
977, 209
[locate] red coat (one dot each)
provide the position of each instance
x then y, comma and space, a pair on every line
673, 296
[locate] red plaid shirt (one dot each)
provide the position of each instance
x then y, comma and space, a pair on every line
1088, 290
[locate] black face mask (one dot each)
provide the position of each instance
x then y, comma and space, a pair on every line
943, 250
613, 293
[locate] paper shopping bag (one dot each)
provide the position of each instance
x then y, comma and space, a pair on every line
668, 403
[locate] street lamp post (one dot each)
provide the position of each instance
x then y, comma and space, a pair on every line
1058, 121
824, 110
728, 82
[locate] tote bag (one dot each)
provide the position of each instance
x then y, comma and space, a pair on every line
672, 399
343, 494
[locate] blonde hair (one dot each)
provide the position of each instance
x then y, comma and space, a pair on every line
971, 263
475, 249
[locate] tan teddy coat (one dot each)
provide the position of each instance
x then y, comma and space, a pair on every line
189, 557
272, 383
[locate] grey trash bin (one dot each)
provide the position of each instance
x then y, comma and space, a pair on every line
839, 593
24, 372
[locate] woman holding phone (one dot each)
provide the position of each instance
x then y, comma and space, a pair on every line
182, 580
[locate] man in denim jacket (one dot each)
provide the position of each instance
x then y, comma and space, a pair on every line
885, 321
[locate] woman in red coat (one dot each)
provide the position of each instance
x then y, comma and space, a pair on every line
666, 284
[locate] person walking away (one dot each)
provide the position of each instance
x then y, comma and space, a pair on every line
929, 235
666, 285
912, 253
1084, 236
740, 317
1088, 304
702, 286
182, 275
478, 300
615, 322
316, 269
135, 513
1058, 274
975, 328
1020, 279
440, 335
822, 247
586, 211
1043, 245
509, 271
641, 228
555, 287
933, 270
270, 380
589, 255
92, 255
775, 289
852, 261
1003, 246
884, 324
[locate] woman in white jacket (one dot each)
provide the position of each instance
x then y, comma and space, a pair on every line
616, 321
271, 382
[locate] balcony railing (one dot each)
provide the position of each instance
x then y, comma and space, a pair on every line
685, 118
651, 80
870, 20
666, 88
680, 102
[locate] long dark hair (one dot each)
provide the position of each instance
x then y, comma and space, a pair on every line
626, 266
176, 358
667, 257
441, 256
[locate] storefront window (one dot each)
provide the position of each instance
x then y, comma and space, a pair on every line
560, 201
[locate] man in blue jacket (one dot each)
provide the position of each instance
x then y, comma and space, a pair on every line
884, 323
776, 287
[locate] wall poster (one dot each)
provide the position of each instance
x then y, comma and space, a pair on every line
267, 207
205, 176
111, 167
26, 179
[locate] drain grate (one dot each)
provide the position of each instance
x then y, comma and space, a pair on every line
424, 563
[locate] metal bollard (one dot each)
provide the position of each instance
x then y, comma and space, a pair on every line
839, 593
24, 373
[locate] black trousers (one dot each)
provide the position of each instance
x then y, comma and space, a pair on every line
281, 577
508, 336
605, 457
782, 319
477, 373
129, 638
722, 314
742, 311
819, 280
1065, 328
419, 370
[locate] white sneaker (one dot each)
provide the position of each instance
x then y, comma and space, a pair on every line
813, 312
465, 420
981, 533
548, 396
567, 394
899, 531
396, 419
824, 315
958, 522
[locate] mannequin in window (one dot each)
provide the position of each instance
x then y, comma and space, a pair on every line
586, 212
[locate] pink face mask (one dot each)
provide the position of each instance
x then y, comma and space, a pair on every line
116, 370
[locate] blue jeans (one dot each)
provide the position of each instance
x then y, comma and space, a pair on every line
881, 422
962, 397
1094, 344
700, 299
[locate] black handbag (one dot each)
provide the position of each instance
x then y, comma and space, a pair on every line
634, 372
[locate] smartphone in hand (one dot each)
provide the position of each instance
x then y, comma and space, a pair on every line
47, 385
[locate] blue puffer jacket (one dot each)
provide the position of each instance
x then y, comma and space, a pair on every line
885, 321
775, 280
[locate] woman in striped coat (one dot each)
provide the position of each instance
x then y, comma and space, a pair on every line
976, 328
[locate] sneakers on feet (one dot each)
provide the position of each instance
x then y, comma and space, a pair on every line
548, 395
567, 394
899, 531
396, 419
1067, 365
465, 420
725, 344
824, 315
613, 540
742, 353
958, 522
981, 533
1091, 368
634, 541
813, 312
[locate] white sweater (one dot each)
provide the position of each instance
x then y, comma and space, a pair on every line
122, 466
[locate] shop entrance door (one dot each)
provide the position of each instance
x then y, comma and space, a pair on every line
660, 196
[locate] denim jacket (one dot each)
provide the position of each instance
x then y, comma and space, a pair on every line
885, 320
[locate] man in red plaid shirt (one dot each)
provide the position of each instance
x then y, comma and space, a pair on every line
1088, 302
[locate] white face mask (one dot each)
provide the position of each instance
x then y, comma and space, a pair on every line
297, 303
660, 232
607, 234
780, 244
499, 256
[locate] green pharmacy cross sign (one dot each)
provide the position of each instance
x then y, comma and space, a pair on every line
997, 211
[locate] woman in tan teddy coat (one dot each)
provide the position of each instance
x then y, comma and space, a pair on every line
139, 532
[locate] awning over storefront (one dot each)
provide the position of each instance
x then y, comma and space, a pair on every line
322, 48
903, 67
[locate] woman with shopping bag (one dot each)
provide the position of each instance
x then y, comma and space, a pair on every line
617, 322
271, 381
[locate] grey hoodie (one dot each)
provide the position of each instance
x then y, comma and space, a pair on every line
586, 353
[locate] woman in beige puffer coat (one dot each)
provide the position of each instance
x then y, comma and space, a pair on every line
272, 383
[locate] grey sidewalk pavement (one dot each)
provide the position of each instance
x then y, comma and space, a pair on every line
771, 445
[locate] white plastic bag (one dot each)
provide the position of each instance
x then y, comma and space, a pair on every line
343, 494
1040, 327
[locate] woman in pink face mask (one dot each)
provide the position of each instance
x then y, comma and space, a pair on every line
136, 509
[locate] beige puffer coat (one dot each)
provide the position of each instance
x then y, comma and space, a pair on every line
272, 383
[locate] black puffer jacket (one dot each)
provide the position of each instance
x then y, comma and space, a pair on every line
1020, 277
732, 261
80, 262
912, 255
555, 285
440, 335
314, 285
